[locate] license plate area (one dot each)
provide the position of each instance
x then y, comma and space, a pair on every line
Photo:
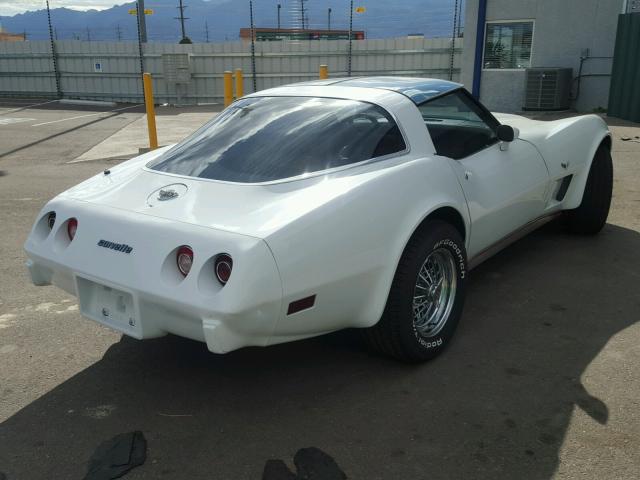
108, 305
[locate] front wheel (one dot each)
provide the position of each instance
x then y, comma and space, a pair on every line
426, 297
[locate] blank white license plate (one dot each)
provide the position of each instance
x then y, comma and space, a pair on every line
107, 305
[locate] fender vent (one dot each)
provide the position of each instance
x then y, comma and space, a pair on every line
564, 186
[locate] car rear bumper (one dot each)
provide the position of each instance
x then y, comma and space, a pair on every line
141, 294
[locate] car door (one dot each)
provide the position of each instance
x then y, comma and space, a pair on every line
504, 184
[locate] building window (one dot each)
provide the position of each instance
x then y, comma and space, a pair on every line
508, 45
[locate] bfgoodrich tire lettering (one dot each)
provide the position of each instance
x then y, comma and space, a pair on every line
402, 332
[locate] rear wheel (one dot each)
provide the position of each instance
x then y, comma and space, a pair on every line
426, 297
591, 215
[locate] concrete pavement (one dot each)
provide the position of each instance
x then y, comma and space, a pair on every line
541, 381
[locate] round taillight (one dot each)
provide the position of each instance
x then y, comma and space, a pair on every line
184, 259
51, 220
223, 267
72, 228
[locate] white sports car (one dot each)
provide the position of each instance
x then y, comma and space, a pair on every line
314, 207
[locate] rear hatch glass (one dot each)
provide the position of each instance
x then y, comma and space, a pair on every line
262, 139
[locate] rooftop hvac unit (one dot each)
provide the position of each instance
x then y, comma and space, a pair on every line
547, 88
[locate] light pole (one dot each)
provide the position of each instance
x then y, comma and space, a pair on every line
329, 19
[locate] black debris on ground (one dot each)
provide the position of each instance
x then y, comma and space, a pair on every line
311, 464
115, 457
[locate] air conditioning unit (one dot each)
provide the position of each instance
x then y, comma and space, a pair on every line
547, 88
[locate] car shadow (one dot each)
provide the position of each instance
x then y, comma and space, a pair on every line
496, 404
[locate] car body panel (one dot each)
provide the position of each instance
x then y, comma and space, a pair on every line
569, 141
504, 190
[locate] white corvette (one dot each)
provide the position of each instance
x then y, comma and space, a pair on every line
310, 208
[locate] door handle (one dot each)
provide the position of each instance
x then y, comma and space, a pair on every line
467, 174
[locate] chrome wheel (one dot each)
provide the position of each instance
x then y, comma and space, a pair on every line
434, 293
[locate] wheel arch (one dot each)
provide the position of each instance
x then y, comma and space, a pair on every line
574, 198
447, 214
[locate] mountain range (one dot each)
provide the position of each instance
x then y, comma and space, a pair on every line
220, 20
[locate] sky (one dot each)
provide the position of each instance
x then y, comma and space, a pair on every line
12, 7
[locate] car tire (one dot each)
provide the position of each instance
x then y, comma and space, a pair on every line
591, 215
402, 332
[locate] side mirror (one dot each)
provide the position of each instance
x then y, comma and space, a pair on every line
506, 133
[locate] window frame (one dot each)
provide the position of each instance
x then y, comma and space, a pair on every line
317, 173
532, 21
484, 115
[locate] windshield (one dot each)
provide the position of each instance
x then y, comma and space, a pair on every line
263, 139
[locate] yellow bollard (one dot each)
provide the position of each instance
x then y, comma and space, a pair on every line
324, 72
228, 88
239, 83
151, 112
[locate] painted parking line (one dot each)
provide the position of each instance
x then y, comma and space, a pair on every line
87, 115
12, 120
27, 106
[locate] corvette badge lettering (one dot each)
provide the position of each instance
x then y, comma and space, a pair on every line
118, 247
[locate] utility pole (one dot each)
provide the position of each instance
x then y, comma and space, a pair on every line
350, 39
459, 17
118, 32
24, 35
453, 39
302, 12
329, 19
182, 18
279, 7
140, 52
55, 33
142, 21
253, 48
88, 35
54, 54
206, 31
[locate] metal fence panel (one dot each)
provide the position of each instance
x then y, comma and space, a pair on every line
624, 95
111, 70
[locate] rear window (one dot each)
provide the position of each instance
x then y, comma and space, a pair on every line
264, 139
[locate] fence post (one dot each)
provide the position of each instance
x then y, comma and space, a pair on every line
324, 72
239, 83
151, 113
228, 88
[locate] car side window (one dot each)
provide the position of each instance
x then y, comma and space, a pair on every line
457, 125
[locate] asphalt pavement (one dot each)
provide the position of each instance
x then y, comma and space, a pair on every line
541, 381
